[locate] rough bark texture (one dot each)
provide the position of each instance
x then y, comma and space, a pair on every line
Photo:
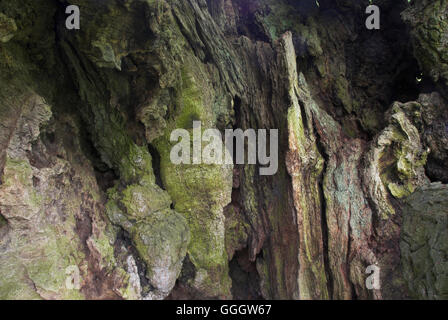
88, 188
